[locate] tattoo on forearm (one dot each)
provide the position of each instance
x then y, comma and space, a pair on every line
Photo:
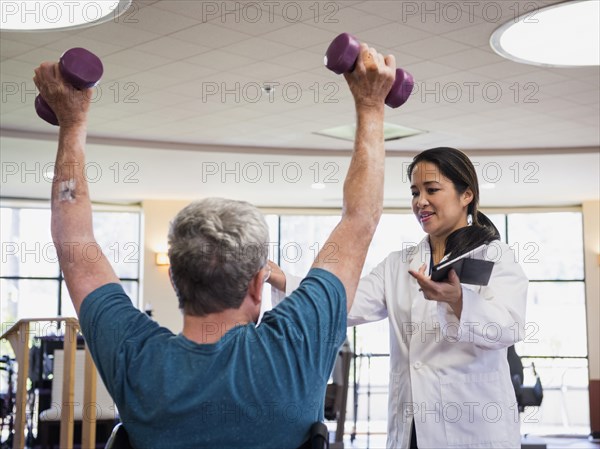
66, 191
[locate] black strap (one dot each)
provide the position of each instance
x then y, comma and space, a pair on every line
413, 436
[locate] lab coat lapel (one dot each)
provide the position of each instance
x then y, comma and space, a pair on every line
418, 257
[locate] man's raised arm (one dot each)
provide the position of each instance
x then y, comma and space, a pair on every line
84, 266
370, 83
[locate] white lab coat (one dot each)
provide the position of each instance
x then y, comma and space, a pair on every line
451, 377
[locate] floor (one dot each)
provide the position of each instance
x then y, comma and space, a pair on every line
552, 442
564, 442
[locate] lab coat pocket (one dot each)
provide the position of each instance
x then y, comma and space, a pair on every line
471, 409
400, 411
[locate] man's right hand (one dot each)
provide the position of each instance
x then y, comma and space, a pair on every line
70, 105
372, 78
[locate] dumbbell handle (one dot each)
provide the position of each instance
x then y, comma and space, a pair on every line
80, 68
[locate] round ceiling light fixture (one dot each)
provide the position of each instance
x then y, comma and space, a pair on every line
29, 15
562, 35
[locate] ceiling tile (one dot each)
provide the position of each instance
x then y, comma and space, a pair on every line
159, 98
117, 34
590, 74
243, 113
181, 71
432, 47
469, 59
12, 104
445, 17
392, 35
566, 88
36, 39
539, 77
170, 48
18, 68
296, 12
133, 59
18, 113
586, 98
143, 3
342, 20
422, 71
200, 11
300, 60
389, 9
220, 60
574, 113
147, 80
11, 48
503, 69
100, 49
259, 48
252, 18
162, 23
500, 12
477, 35
38, 55
264, 70
209, 35
300, 35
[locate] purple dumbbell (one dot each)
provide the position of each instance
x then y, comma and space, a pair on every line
341, 57
81, 69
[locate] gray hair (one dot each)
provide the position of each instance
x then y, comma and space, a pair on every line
216, 246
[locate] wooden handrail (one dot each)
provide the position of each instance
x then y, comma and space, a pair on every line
18, 336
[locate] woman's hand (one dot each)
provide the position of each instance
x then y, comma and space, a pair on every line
449, 291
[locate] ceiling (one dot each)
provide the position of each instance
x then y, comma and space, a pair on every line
180, 112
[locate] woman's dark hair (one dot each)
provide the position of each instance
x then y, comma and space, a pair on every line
458, 168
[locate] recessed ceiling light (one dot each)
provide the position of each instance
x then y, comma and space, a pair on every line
32, 15
390, 132
563, 35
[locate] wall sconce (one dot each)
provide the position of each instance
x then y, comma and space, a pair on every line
161, 259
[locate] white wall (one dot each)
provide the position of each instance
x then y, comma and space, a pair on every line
156, 284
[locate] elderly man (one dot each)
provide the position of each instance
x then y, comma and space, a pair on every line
223, 382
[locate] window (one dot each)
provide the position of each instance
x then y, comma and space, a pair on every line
549, 247
31, 284
301, 236
556, 305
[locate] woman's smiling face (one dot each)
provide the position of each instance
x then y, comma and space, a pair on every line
439, 208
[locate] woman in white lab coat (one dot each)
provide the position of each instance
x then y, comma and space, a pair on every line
449, 378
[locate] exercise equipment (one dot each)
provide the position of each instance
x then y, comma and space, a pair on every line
80, 68
341, 57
